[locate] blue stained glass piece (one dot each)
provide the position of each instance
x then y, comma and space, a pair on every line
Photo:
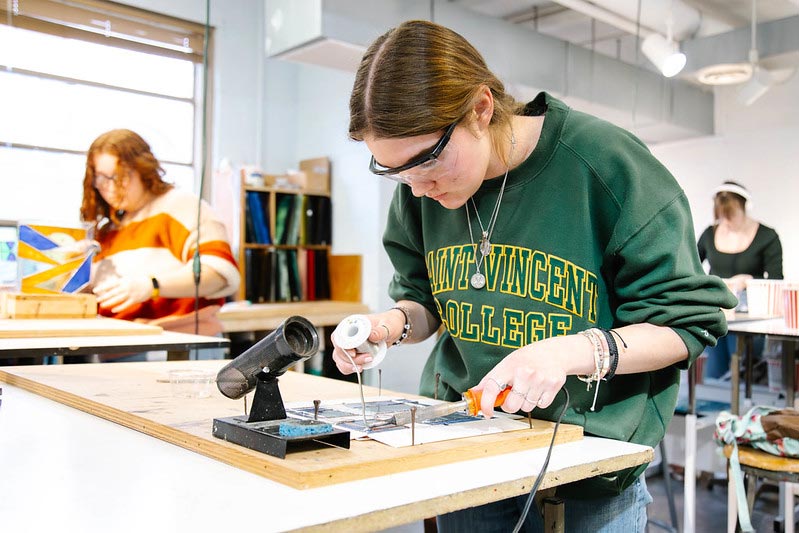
35, 239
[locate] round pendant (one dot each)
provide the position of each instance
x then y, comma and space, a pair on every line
478, 280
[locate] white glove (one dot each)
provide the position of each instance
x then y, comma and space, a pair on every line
120, 293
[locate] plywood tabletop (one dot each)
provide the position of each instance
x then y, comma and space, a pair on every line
138, 396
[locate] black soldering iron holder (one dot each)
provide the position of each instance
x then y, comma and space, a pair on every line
295, 340
258, 368
267, 404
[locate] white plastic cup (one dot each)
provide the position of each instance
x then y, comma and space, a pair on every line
764, 297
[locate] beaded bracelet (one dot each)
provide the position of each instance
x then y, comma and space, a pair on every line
406, 328
601, 362
604, 365
588, 379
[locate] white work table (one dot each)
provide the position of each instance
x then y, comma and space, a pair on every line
68, 471
84, 336
82, 345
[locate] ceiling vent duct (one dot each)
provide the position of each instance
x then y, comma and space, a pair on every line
335, 33
298, 31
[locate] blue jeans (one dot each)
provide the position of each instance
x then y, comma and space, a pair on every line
624, 513
718, 356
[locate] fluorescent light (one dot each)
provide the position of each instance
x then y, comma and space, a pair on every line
664, 54
725, 74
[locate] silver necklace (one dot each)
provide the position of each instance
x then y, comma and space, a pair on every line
478, 279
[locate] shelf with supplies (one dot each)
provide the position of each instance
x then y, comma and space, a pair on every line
285, 238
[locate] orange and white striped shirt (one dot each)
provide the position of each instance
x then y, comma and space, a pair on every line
160, 239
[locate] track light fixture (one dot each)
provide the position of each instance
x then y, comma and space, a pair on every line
664, 54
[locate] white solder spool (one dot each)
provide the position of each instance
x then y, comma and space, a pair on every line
353, 332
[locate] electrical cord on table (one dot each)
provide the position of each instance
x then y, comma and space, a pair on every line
543, 467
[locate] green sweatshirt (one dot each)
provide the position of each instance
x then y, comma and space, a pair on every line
592, 231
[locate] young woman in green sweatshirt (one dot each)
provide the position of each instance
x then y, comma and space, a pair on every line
529, 231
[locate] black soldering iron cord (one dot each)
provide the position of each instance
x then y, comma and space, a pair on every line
544, 467
196, 266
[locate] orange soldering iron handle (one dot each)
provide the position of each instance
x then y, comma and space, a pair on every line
473, 398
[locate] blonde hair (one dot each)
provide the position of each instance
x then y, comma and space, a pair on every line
419, 78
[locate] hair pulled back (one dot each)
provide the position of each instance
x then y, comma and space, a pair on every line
419, 78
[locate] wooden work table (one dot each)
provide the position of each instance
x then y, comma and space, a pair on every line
238, 316
97, 475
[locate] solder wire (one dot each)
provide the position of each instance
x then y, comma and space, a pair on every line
360, 387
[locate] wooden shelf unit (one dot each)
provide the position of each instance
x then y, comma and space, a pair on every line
285, 237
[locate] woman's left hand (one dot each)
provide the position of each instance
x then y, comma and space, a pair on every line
535, 372
737, 283
119, 294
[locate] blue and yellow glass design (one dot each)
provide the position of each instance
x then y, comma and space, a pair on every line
46, 264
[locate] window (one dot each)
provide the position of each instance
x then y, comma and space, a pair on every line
70, 71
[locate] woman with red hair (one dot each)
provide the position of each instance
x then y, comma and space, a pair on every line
149, 232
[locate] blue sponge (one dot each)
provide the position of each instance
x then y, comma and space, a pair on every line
303, 428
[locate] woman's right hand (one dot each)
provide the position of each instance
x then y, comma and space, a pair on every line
386, 326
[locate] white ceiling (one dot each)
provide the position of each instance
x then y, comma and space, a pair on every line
554, 19
616, 83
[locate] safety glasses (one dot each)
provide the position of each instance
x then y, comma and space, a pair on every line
432, 155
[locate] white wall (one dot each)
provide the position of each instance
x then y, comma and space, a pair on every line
757, 146
360, 200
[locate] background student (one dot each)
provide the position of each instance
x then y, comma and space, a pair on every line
738, 248
147, 231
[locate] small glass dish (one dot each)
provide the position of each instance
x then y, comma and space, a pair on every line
188, 383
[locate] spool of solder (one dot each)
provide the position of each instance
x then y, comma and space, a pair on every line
353, 332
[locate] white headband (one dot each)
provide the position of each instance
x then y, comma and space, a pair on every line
733, 188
